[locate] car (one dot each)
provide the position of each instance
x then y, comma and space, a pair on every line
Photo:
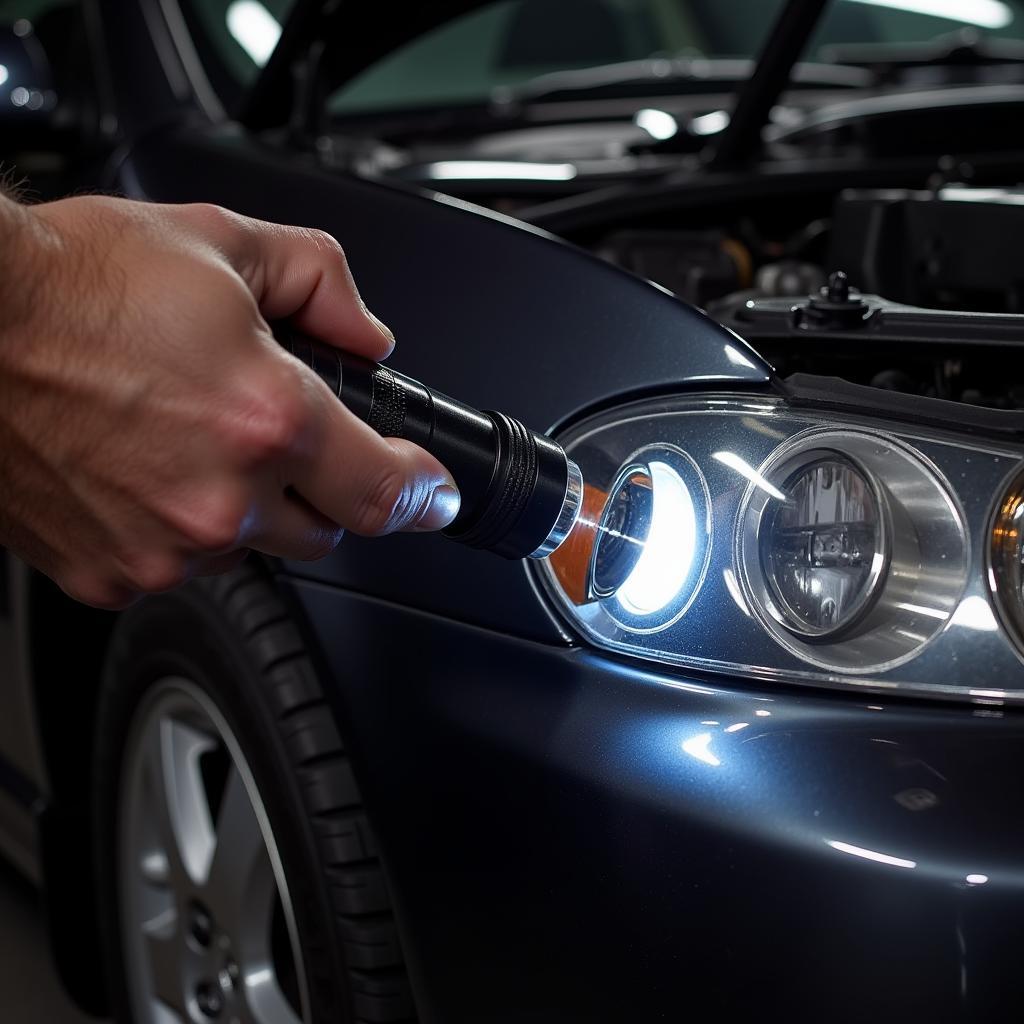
755, 266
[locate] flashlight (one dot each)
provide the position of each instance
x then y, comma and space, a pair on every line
520, 494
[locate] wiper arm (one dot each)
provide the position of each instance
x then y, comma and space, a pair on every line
669, 75
966, 47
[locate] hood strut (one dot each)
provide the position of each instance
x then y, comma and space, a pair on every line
741, 140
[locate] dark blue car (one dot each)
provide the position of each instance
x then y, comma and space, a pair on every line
766, 763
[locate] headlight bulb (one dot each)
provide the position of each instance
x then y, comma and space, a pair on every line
641, 547
823, 549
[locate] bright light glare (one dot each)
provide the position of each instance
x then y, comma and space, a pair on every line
255, 29
502, 170
737, 726
881, 858
737, 358
659, 124
3, 74
734, 461
976, 879
668, 554
697, 746
983, 13
710, 124
974, 613
921, 609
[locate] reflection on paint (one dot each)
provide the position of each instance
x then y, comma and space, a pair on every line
500, 170
737, 358
698, 747
879, 858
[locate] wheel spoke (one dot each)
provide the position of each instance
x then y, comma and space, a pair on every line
264, 1001
172, 752
164, 957
241, 886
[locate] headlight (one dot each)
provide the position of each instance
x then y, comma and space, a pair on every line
745, 536
652, 540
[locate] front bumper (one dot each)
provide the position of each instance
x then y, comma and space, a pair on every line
571, 837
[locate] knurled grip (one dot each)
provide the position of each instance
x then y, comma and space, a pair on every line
511, 485
512, 481
387, 403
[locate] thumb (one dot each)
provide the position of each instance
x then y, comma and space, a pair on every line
373, 485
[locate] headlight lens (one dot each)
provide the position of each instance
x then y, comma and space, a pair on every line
822, 547
746, 536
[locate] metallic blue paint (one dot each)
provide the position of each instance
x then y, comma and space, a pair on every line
561, 850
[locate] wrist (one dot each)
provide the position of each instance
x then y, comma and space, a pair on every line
22, 240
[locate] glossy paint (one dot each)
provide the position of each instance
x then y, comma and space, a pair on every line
575, 838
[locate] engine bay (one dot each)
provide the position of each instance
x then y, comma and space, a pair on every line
912, 290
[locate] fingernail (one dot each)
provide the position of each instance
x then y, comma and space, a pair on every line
382, 327
443, 508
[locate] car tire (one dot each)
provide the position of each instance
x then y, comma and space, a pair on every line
214, 734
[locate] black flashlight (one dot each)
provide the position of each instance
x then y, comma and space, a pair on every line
520, 494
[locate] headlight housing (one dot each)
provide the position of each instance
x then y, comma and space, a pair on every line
743, 535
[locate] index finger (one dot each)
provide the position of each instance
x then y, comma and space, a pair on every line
302, 274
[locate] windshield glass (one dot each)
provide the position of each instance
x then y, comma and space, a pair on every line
510, 42
513, 41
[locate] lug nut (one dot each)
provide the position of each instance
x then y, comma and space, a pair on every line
201, 925
209, 999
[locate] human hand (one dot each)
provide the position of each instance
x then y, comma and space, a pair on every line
151, 429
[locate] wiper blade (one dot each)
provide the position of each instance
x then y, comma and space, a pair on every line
666, 75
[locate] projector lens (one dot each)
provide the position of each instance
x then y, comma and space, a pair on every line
652, 540
623, 530
822, 548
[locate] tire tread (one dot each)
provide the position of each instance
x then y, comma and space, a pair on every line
344, 837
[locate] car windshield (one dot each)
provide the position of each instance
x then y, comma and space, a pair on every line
512, 42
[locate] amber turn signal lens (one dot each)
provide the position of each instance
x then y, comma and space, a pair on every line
1005, 559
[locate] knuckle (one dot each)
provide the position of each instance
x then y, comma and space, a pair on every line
270, 421
385, 506
211, 216
214, 528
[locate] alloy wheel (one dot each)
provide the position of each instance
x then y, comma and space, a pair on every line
207, 923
